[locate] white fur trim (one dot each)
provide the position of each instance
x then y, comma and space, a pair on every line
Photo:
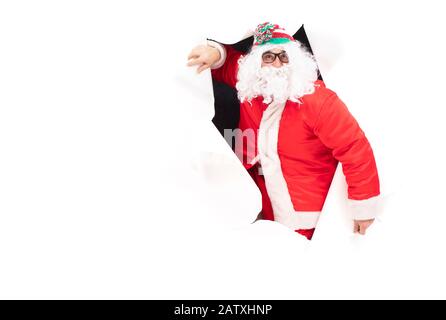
363, 209
275, 182
222, 51
300, 220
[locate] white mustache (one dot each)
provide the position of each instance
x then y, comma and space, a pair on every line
270, 72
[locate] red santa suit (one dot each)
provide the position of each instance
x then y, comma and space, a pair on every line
297, 148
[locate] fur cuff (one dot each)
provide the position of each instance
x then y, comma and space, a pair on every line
363, 209
222, 51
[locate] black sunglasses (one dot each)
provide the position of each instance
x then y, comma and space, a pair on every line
270, 57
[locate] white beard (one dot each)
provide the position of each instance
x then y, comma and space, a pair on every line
289, 82
273, 84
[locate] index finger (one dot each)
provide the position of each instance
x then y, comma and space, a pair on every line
194, 62
193, 54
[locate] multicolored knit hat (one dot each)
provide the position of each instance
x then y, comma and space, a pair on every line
270, 33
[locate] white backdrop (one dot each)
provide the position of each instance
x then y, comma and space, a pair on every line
115, 184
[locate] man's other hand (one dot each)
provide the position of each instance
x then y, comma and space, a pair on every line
360, 226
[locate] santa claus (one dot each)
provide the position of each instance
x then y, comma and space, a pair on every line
293, 130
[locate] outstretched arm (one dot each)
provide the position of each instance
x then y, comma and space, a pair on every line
203, 56
222, 59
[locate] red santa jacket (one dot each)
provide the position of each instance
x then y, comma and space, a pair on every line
297, 147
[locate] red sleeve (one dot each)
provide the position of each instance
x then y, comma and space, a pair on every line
227, 73
339, 131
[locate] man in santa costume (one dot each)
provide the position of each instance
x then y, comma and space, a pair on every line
294, 130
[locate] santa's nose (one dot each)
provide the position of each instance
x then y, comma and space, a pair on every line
277, 63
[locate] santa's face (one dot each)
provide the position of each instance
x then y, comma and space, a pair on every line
276, 72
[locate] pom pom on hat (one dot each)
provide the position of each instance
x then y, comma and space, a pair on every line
271, 33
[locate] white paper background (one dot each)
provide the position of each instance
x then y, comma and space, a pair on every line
115, 184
